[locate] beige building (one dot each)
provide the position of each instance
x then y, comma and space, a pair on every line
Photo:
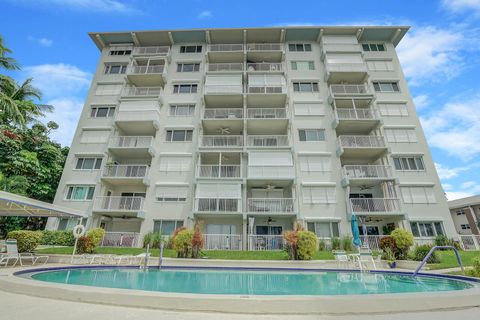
466, 215
251, 130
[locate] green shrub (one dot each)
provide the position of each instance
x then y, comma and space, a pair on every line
197, 240
421, 251
442, 240
403, 240
475, 272
156, 240
96, 235
336, 243
347, 243
387, 243
85, 245
183, 243
322, 246
147, 239
27, 240
58, 238
307, 245
388, 255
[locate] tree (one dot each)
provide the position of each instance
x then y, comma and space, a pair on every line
7, 62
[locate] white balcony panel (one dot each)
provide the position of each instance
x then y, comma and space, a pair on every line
151, 51
277, 158
223, 113
270, 205
374, 205
217, 171
222, 241
225, 67
271, 172
267, 113
367, 171
233, 47
265, 67
362, 141
222, 84
268, 141
221, 141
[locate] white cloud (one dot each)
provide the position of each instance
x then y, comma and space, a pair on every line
105, 6
41, 41
447, 186
469, 184
453, 195
421, 101
429, 53
448, 173
55, 80
66, 114
456, 6
455, 128
205, 14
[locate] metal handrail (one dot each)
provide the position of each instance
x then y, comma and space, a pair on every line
431, 252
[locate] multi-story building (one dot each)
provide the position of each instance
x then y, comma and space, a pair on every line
250, 131
466, 215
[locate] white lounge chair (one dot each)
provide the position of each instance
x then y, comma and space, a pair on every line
365, 258
12, 251
342, 258
6, 259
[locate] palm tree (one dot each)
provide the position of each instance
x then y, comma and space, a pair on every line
7, 62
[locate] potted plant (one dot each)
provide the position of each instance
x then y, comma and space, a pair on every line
389, 256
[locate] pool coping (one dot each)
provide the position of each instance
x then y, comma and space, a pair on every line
249, 304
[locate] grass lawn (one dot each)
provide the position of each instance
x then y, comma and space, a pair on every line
448, 259
210, 254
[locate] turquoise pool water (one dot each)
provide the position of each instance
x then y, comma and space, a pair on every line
243, 282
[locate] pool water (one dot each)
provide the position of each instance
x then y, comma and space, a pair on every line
243, 282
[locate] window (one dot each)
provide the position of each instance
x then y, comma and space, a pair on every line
182, 110
88, 163
108, 89
373, 47
324, 229
190, 49
175, 163
393, 109
311, 134
386, 87
179, 135
185, 88
401, 135
460, 212
299, 47
303, 65
465, 226
120, 52
171, 193
315, 163
418, 195
102, 112
319, 195
188, 67
309, 108
80, 193
409, 163
305, 87
115, 68
166, 227
426, 229
380, 65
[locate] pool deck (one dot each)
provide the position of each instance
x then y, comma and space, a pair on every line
240, 304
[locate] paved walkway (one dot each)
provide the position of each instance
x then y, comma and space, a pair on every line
22, 307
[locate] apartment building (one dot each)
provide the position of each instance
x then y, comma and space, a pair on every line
250, 131
465, 214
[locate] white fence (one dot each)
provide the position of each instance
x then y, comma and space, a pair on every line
223, 141
264, 47
152, 69
223, 89
222, 242
470, 242
367, 171
151, 51
225, 47
267, 89
118, 203
374, 205
267, 141
265, 67
355, 114
218, 205
120, 239
362, 141
217, 171
223, 113
131, 142
265, 242
279, 205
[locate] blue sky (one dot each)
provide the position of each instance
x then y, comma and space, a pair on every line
440, 55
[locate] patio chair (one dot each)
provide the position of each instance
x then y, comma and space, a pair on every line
341, 258
365, 258
12, 251
6, 259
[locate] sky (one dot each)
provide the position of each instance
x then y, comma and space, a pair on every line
440, 55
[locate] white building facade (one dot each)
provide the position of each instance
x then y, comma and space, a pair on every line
251, 131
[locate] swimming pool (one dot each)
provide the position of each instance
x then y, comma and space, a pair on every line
271, 282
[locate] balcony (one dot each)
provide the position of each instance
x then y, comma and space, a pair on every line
219, 171
265, 51
234, 89
266, 113
221, 141
366, 147
146, 74
265, 242
158, 51
340, 48
118, 206
217, 205
348, 71
138, 117
349, 90
132, 146
223, 114
364, 174
142, 92
271, 172
122, 175
373, 206
225, 67
269, 205
222, 241
355, 120
268, 141
265, 67
120, 239
225, 52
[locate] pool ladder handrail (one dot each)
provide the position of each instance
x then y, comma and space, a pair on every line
160, 259
431, 252
147, 256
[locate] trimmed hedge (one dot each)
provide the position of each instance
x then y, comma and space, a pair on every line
58, 238
420, 252
96, 235
27, 240
307, 245
85, 245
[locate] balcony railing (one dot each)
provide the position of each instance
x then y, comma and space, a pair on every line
374, 205
280, 205
271, 172
343, 89
266, 89
125, 171
118, 203
362, 141
130, 91
153, 69
224, 89
218, 205
355, 114
346, 67
234, 47
264, 47
267, 113
224, 67
265, 242
131, 142
265, 67
223, 113
215, 141
120, 239
222, 241
367, 171
267, 141
217, 171
151, 51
